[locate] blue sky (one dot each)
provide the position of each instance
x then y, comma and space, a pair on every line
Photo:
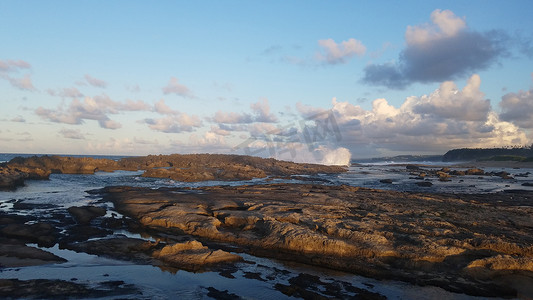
365, 78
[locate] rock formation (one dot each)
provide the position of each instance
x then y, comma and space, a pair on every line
452, 241
189, 167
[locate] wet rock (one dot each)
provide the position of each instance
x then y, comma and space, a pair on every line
192, 255
44, 234
527, 184
381, 234
387, 181
189, 167
14, 253
475, 171
221, 295
502, 174
13, 177
424, 183
311, 287
443, 176
85, 214
79, 233
62, 289
122, 248
21, 205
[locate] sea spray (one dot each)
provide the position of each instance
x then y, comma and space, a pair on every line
336, 157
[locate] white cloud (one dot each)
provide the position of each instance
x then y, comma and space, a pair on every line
339, 53
176, 123
262, 110
220, 131
174, 87
72, 134
24, 83
444, 24
447, 118
442, 50
232, 118
162, 108
95, 81
448, 102
91, 108
518, 108
13, 65
66, 93
174, 120
260, 113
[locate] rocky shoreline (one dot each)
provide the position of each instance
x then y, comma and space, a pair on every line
473, 244
187, 167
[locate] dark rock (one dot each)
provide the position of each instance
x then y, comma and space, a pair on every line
14, 253
61, 289
80, 233
387, 181
44, 234
424, 183
85, 214
221, 295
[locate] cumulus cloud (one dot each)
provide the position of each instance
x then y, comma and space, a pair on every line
91, 108
99, 83
468, 104
339, 53
174, 123
261, 113
441, 50
174, 87
232, 118
174, 120
447, 118
262, 110
518, 108
220, 131
72, 134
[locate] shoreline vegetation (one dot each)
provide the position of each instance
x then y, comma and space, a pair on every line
475, 244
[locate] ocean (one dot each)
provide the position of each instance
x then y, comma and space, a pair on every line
65, 190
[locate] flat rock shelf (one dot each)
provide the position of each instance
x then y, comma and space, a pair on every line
477, 244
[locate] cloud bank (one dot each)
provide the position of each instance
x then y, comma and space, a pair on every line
442, 50
447, 118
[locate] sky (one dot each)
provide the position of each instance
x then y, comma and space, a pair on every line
306, 81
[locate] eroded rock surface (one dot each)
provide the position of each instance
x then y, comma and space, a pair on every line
190, 255
12, 177
450, 241
188, 167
